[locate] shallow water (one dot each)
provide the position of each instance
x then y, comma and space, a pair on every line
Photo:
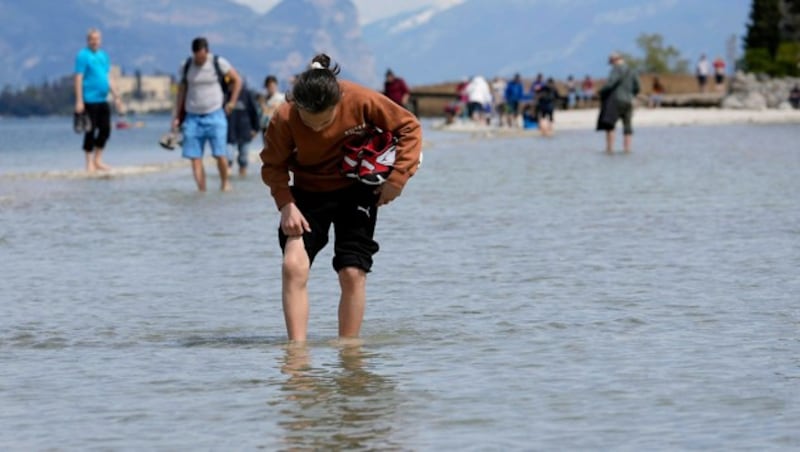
530, 294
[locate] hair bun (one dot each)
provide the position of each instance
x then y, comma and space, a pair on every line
321, 61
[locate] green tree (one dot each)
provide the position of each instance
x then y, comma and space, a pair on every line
764, 27
763, 37
658, 58
46, 98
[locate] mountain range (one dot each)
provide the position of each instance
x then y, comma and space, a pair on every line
40, 38
459, 38
448, 41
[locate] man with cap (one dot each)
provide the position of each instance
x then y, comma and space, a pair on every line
621, 88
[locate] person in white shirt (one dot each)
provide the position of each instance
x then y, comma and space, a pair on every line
702, 70
270, 101
479, 98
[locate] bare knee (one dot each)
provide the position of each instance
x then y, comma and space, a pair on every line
295, 269
352, 278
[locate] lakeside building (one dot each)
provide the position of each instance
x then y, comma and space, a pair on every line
144, 93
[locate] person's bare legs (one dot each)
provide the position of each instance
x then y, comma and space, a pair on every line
199, 174
545, 127
626, 142
90, 167
222, 165
98, 160
352, 303
609, 141
295, 269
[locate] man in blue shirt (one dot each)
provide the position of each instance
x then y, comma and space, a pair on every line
514, 94
92, 85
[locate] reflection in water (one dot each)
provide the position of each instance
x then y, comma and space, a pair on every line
342, 406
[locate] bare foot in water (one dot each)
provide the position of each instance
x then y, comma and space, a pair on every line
102, 166
226, 187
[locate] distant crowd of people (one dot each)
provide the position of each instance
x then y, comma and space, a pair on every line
510, 104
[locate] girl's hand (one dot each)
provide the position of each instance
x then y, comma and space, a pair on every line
388, 193
293, 223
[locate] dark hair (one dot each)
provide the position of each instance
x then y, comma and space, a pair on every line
270, 79
317, 89
199, 44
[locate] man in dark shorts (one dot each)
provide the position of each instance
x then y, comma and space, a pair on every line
621, 88
92, 85
546, 99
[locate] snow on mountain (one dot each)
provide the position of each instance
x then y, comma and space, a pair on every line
555, 37
423, 16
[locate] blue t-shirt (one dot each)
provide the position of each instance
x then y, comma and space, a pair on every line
95, 67
514, 91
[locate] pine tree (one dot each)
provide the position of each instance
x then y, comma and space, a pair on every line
764, 28
790, 26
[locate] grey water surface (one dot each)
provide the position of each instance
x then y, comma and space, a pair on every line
530, 294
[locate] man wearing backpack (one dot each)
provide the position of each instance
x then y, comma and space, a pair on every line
202, 106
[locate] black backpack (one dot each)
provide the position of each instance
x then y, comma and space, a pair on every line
224, 81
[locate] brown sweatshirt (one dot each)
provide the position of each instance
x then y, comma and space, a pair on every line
315, 158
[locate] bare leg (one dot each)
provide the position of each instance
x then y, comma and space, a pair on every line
353, 282
98, 160
626, 140
546, 127
222, 165
610, 141
295, 271
90, 167
199, 174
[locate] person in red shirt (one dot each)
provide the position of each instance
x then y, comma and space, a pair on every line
719, 72
395, 88
587, 90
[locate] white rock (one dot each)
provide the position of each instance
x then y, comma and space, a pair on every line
755, 101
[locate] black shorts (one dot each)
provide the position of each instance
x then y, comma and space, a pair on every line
100, 114
545, 112
353, 212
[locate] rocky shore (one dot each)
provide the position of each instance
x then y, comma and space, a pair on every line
759, 92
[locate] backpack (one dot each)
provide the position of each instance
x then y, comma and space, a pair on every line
224, 81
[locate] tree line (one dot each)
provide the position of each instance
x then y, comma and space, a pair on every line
46, 98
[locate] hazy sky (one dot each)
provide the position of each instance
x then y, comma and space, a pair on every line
369, 10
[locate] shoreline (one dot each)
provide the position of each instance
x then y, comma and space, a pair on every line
646, 117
